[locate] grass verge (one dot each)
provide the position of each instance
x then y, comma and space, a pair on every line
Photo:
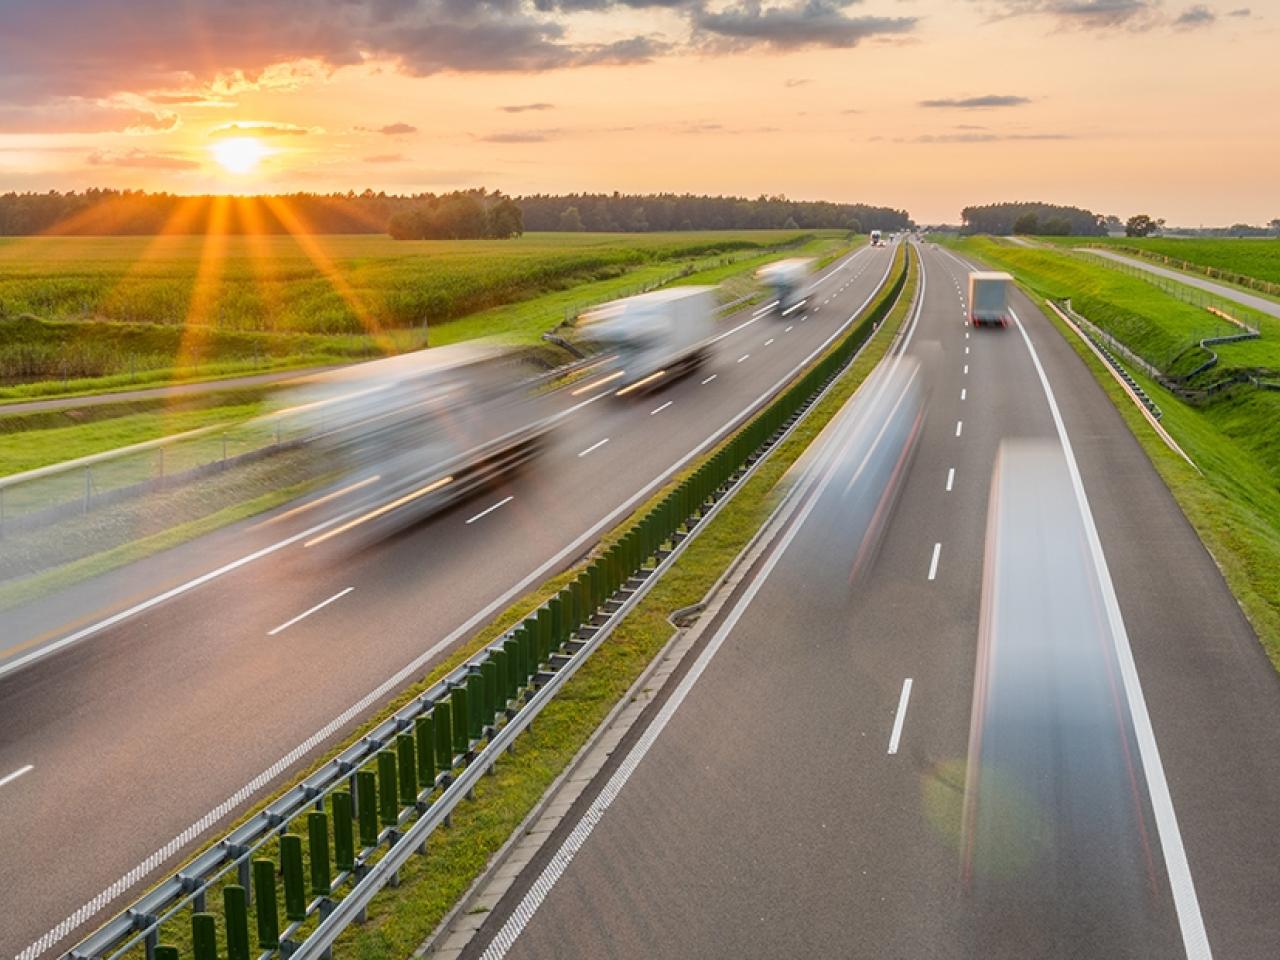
401, 918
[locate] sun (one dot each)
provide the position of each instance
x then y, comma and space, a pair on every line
239, 154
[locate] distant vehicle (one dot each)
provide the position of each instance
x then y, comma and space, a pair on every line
655, 336
787, 279
875, 238
408, 435
989, 297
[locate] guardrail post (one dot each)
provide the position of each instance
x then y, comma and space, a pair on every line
513, 679
424, 739
408, 769
489, 674
204, 936
501, 668
368, 807
264, 892
388, 811
444, 736
318, 845
458, 698
295, 889
475, 697
235, 907
344, 842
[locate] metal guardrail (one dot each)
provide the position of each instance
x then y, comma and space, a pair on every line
389, 791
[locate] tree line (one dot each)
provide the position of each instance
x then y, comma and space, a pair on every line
460, 214
1046, 219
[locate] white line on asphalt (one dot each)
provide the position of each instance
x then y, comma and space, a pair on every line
488, 510
900, 717
933, 564
743, 357
966, 369
788, 330
951, 478
15, 775
661, 408
963, 393
765, 309
959, 427
1195, 940
769, 341
966, 334
709, 379
306, 613
595, 446
966, 351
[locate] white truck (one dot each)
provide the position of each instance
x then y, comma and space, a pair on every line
406, 436
989, 297
787, 280
876, 240
654, 337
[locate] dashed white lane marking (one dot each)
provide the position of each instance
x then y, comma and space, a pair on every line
488, 510
966, 350
901, 716
951, 478
709, 379
595, 446
743, 357
769, 341
788, 330
16, 774
933, 563
959, 427
963, 393
661, 408
966, 334
306, 613
966, 369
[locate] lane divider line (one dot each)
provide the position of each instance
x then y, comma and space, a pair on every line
951, 478
306, 613
900, 717
661, 408
488, 510
959, 427
16, 774
709, 379
595, 446
933, 562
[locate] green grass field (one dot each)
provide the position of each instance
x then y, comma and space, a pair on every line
1157, 326
1254, 257
140, 310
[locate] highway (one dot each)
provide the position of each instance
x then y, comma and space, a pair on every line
1025, 719
141, 711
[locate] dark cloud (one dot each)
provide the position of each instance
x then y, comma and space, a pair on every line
1196, 16
802, 23
969, 103
391, 129
982, 137
386, 158
1087, 14
140, 159
519, 136
1241, 12
258, 130
526, 107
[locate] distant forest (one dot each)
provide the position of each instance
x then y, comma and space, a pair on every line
461, 214
1036, 218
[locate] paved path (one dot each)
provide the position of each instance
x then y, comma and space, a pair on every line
1222, 290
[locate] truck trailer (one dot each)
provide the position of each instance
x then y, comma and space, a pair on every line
654, 337
786, 279
876, 238
989, 297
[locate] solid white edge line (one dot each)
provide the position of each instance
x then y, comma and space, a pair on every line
306, 613
488, 510
524, 911
661, 408
16, 774
933, 562
595, 446
951, 478
145, 867
900, 717
1195, 939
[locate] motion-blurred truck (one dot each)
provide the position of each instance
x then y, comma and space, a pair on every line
654, 337
876, 239
786, 279
406, 436
989, 297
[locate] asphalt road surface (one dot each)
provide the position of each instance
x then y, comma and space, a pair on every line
1024, 719
142, 710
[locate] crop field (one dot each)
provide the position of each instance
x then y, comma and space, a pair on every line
1159, 327
1254, 257
92, 307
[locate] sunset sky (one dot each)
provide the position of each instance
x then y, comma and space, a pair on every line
1122, 106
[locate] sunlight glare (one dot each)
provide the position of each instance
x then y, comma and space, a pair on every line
239, 154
